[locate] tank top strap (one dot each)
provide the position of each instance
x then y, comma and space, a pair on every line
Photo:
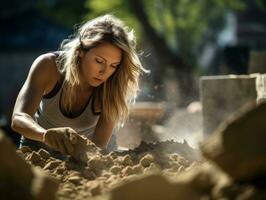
56, 88
54, 91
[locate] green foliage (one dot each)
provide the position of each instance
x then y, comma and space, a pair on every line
236, 4
184, 24
261, 4
118, 8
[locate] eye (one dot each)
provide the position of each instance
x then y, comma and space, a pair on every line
99, 60
115, 66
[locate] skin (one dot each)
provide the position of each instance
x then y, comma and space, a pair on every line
96, 66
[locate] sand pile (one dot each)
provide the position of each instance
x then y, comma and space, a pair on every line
18, 180
235, 167
93, 172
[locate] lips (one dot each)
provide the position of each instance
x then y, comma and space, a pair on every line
99, 80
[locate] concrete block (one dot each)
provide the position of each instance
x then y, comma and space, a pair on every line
18, 180
238, 145
261, 87
221, 96
15, 173
257, 62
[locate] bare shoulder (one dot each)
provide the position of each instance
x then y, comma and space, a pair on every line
43, 73
45, 63
44, 70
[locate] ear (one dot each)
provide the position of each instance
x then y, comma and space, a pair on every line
80, 53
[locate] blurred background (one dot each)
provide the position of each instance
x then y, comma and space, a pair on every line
178, 40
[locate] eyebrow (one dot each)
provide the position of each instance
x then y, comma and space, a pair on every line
106, 60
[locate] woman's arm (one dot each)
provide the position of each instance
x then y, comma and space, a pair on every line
41, 77
103, 132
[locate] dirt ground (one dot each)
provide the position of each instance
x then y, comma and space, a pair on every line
233, 167
104, 171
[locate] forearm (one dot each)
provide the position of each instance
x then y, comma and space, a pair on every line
26, 126
103, 132
99, 142
101, 138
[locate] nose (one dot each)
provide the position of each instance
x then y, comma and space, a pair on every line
102, 69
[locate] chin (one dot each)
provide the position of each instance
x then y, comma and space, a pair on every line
95, 84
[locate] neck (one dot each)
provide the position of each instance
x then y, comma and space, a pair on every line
85, 89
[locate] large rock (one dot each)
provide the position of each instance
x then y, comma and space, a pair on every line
222, 96
84, 149
14, 172
190, 185
261, 87
238, 145
18, 180
257, 62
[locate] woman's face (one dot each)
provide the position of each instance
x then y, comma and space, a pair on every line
99, 63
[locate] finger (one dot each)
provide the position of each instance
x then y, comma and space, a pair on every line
67, 144
73, 138
60, 145
50, 141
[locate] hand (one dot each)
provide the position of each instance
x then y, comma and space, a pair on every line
61, 139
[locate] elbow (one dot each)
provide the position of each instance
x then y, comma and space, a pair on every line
14, 123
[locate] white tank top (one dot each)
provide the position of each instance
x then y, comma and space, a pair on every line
49, 114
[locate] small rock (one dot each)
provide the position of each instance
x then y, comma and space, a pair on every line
34, 157
137, 169
44, 154
94, 187
25, 149
95, 162
126, 160
116, 169
147, 160
113, 155
128, 170
52, 165
75, 179
59, 170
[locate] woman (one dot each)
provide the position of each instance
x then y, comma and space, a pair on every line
84, 88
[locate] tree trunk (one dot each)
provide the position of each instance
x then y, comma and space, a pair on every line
184, 72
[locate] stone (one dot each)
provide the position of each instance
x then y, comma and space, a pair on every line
43, 186
146, 160
84, 149
44, 154
75, 179
52, 165
35, 157
222, 96
94, 187
18, 179
25, 149
261, 87
126, 160
15, 173
257, 62
153, 187
238, 145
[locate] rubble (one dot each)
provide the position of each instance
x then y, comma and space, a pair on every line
15, 174
233, 167
238, 145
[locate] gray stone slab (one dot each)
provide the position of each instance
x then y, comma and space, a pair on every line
257, 62
222, 96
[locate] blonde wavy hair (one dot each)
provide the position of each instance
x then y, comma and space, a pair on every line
122, 86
